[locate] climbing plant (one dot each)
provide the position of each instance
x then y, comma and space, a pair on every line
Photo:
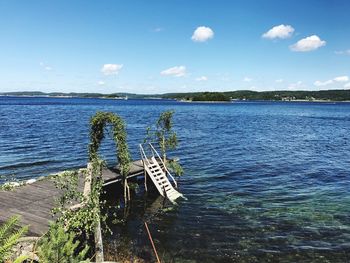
80, 212
166, 138
98, 125
84, 218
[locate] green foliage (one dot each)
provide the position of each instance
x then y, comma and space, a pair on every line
99, 123
211, 96
67, 182
59, 246
21, 259
175, 167
164, 133
84, 219
9, 236
166, 138
80, 219
10, 182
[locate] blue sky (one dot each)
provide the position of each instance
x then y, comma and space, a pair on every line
174, 46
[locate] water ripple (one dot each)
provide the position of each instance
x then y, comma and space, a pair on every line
266, 182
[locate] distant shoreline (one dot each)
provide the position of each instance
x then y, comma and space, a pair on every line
187, 97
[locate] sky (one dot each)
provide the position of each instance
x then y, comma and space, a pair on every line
150, 47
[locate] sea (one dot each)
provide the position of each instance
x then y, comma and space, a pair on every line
264, 181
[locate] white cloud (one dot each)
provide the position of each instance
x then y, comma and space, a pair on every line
279, 80
111, 69
202, 34
101, 83
246, 79
347, 85
308, 44
318, 83
281, 31
202, 78
341, 79
177, 71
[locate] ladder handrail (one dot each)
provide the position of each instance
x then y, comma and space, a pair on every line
154, 150
143, 155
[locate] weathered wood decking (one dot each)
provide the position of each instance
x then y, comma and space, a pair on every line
33, 202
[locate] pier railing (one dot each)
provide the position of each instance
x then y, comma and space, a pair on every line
155, 154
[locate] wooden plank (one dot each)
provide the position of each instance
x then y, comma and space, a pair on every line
33, 202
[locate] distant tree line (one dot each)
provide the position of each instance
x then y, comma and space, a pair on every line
211, 96
333, 95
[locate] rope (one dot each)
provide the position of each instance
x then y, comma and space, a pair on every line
154, 247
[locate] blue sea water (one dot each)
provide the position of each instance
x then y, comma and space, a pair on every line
265, 181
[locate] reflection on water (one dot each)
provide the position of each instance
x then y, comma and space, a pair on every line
241, 229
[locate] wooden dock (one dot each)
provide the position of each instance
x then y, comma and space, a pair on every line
33, 202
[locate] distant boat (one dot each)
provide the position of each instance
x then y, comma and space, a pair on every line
126, 98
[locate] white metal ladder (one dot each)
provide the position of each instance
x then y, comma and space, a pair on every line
158, 175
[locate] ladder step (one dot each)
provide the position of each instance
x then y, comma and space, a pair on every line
171, 191
163, 184
158, 176
167, 189
173, 195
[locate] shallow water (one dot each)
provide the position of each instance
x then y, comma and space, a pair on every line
265, 181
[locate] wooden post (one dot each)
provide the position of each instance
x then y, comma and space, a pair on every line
144, 168
98, 242
98, 233
145, 173
87, 184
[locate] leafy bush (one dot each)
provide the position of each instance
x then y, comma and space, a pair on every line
57, 246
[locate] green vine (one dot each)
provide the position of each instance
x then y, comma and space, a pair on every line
83, 218
80, 212
98, 124
166, 138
